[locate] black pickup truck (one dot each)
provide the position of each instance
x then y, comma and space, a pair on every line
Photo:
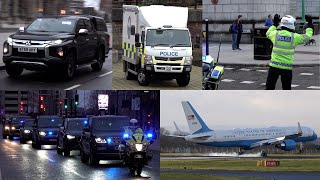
57, 44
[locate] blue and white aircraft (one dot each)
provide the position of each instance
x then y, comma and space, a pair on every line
284, 138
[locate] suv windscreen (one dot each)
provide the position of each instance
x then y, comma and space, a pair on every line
109, 123
168, 37
28, 123
49, 122
76, 125
52, 25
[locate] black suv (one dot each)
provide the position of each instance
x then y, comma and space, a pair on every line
45, 131
14, 123
25, 130
101, 138
58, 44
69, 135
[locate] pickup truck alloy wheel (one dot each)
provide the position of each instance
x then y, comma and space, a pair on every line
13, 70
70, 66
100, 58
143, 79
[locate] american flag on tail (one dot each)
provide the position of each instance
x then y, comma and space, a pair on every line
190, 117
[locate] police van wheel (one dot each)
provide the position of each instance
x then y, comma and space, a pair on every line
143, 79
184, 80
13, 70
100, 58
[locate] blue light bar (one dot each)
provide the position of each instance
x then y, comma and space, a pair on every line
109, 140
52, 120
50, 133
125, 135
85, 122
149, 135
21, 121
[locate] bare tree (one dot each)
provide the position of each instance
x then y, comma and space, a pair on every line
163, 131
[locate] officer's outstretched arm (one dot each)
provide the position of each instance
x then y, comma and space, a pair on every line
303, 38
271, 33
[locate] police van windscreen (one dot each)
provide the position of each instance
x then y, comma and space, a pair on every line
109, 123
50, 122
60, 25
76, 125
168, 37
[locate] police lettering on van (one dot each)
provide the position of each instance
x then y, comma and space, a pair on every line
168, 53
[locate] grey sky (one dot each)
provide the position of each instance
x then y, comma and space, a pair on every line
92, 3
242, 109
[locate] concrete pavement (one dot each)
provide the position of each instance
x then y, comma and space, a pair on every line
304, 56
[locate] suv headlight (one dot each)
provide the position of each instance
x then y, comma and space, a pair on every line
26, 131
100, 140
148, 59
139, 147
70, 137
188, 60
41, 133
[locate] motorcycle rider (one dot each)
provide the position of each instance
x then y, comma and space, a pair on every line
284, 43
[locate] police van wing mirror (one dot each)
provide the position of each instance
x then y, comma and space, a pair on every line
133, 30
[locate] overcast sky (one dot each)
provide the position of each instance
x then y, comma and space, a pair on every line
242, 109
92, 3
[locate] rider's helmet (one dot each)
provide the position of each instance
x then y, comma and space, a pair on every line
289, 22
133, 122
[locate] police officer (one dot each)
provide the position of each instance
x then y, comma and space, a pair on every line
284, 43
134, 128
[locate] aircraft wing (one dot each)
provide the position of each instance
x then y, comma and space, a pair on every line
174, 136
278, 139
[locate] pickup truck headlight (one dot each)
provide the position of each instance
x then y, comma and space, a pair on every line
41, 133
70, 137
139, 147
100, 140
188, 60
26, 131
148, 59
56, 42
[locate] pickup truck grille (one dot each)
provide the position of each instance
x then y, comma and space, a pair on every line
39, 54
168, 59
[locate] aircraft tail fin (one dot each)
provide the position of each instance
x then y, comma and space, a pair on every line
196, 124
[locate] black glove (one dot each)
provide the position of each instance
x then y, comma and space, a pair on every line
309, 20
276, 20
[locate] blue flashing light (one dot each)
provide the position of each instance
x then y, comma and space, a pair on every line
149, 135
109, 140
50, 133
52, 120
85, 122
125, 135
21, 122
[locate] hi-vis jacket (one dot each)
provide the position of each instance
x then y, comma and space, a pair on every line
284, 44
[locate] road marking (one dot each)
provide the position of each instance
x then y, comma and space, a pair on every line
313, 87
73, 171
244, 69
306, 74
72, 87
227, 80
105, 74
262, 70
228, 68
294, 85
247, 82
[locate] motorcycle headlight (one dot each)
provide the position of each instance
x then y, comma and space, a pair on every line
139, 147
100, 140
13, 128
6, 127
26, 131
188, 60
41, 133
70, 137
148, 59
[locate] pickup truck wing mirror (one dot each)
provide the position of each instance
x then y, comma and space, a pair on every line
21, 29
83, 32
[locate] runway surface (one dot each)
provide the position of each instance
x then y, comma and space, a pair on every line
254, 174
233, 157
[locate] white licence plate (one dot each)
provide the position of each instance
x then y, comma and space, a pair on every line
27, 49
52, 139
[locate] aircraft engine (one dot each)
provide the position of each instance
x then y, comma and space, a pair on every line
287, 145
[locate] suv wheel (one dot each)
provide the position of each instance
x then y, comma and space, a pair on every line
100, 59
70, 66
143, 79
184, 80
84, 157
13, 70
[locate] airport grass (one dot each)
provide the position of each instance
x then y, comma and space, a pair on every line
203, 154
180, 176
244, 164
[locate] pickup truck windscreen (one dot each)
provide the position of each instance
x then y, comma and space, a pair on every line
76, 125
168, 37
60, 25
110, 124
50, 122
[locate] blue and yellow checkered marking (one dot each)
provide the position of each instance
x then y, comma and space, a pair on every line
130, 51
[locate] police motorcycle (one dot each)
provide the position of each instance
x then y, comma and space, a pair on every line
134, 150
211, 72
